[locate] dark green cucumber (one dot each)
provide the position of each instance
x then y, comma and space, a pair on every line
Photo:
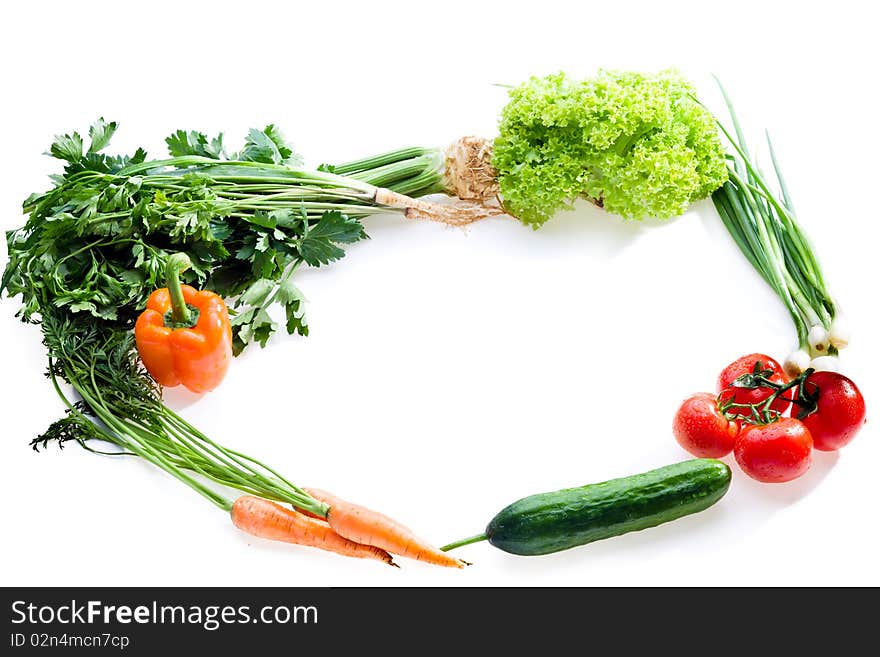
550, 522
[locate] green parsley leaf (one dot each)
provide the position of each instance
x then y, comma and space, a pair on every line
181, 143
259, 147
67, 147
294, 302
257, 293
268, 146
100, 133
319, 245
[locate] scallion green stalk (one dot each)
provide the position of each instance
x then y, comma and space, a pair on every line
762, 222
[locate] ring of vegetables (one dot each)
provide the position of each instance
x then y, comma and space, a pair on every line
96, 246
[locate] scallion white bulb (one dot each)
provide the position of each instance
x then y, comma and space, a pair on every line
826, 364
818, 339
838, 336
797, 361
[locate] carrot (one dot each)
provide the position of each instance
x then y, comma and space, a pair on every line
370, 527
266, 519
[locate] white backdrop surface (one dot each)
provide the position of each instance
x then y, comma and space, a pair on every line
450, 372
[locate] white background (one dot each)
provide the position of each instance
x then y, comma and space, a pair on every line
451, 372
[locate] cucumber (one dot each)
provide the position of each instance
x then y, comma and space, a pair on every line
550, 522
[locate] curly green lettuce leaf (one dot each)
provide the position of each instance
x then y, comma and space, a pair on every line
639, 144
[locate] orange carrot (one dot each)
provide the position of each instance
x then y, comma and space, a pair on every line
266, 519
370, 527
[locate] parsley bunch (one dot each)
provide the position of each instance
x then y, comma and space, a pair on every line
98, 241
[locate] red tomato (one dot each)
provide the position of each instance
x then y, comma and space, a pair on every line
746, 365
702, 429
776, 452
840, 410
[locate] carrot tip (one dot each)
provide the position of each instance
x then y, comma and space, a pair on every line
392, 563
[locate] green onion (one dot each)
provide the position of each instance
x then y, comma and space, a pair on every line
762, 222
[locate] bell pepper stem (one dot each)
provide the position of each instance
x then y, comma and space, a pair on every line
177, 263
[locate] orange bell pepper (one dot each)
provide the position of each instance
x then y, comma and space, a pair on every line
184, 336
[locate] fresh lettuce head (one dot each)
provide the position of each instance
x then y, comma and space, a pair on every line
638, 144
